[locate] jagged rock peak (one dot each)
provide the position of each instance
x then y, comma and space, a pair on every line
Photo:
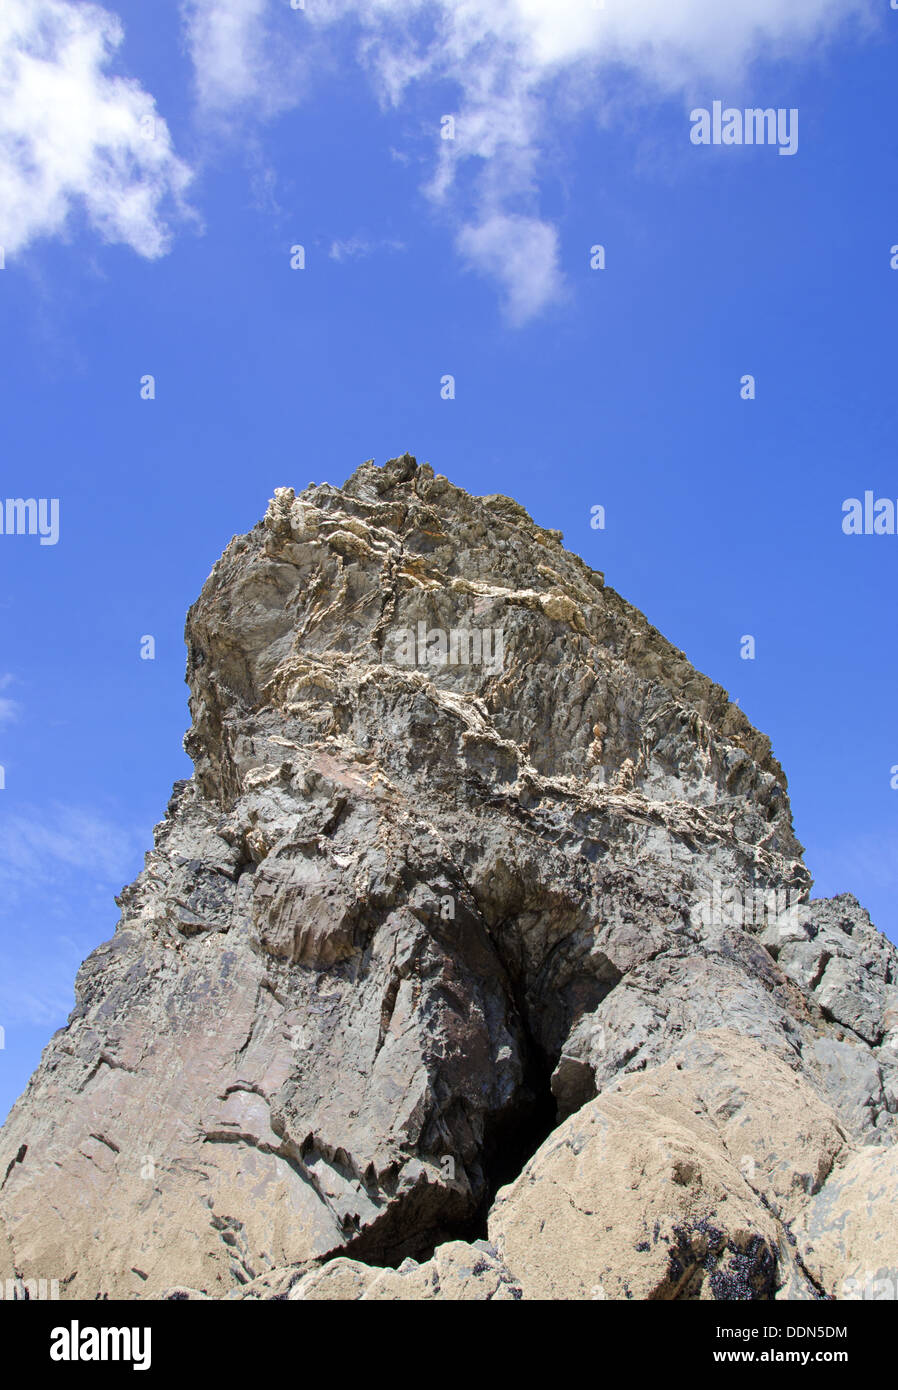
481, 901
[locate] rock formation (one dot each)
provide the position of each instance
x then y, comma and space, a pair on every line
476, 960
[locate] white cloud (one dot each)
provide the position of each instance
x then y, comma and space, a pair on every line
37, 989
34, 844
490, 45
358, 248
516, 69
522, 254
73, 136
9, 709
228, 44
60, 867
245, 53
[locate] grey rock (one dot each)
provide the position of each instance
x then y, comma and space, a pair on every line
461, 855
834, 952
852, 1079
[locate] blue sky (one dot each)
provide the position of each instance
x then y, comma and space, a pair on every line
127, 256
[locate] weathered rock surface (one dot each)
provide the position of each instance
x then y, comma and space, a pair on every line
848, 1233
457, 1271
475, 875
711, 1158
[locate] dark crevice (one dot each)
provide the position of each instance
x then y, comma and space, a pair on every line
425, 1219
19, 1158
823, 962
512, 1139
820, 1292
429, 1214
428, 1217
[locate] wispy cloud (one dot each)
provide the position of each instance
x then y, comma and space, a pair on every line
10, 709
857, 864
521, 253
72, 136
51, 859
358, 248
34, 841
517, 70
865, 864
248, 53
42, 993
229, 49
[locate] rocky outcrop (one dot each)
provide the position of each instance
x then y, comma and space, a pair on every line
476, 959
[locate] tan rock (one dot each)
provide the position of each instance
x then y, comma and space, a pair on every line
458, 1272
660, 1187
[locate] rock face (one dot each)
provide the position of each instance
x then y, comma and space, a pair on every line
476, 960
